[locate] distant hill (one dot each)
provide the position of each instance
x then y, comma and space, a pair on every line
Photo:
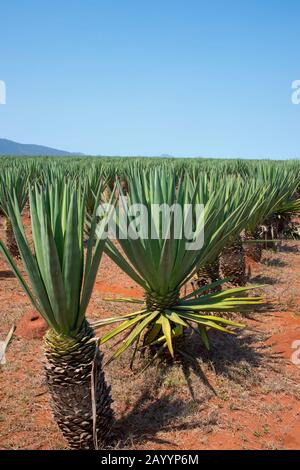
8, 147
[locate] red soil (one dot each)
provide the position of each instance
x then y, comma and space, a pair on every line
31, 326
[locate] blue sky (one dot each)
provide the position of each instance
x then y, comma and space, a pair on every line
187, 78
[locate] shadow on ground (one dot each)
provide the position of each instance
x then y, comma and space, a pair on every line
274, 262
288, 248
174, 396
6, 274
259, 279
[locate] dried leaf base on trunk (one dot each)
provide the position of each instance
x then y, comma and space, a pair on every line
158, 302
253, 250
207, 275
232, 263
10, 239
69, 366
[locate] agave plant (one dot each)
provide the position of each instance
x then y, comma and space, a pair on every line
94, 177
61, 277
273, 185
163, 263
12, 180
280, 223
230, 262
235, 192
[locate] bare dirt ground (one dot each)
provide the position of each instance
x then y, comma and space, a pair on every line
244, 394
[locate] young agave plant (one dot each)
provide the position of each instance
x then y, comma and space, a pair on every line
61, 279
163, 263
12, 180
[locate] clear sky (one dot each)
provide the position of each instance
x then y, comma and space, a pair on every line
133, 77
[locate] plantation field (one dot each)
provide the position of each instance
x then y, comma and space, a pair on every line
155, 303
245, 394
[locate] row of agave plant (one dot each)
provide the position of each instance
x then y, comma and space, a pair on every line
62, 261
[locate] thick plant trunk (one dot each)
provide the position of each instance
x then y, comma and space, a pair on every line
81, 400
206, 275
10, 239
253, 250
232, 262
158, 302
271, 233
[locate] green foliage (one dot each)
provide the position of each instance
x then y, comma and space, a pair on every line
237, 195
162, 265
13, 181
61, 275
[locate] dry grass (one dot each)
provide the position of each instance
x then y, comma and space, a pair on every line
191, 393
